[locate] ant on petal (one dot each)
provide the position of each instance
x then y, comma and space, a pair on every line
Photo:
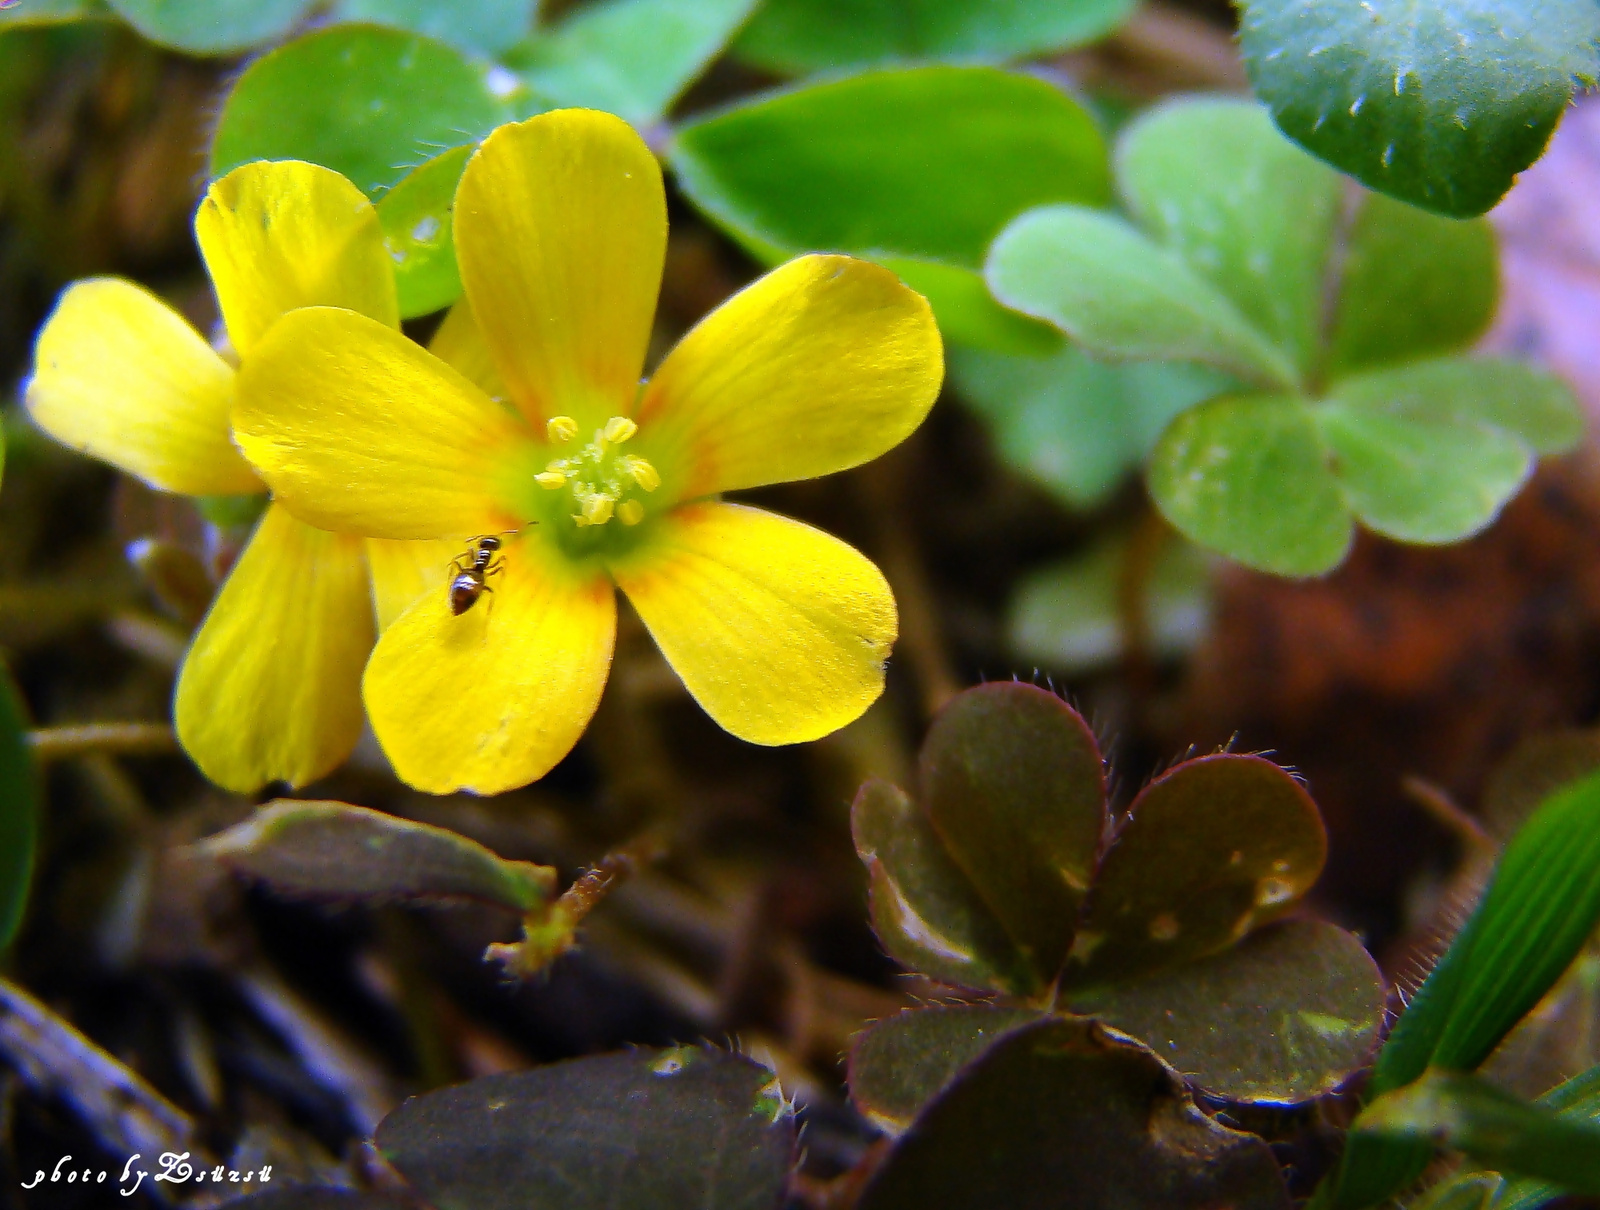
473, 570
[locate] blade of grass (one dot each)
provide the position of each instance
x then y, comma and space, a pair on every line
1539, 910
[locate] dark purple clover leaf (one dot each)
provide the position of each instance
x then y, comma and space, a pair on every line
645, 1129
1013, 783
1061, 1114
1211, 849
1284, 1016
925, 912
899, 1064
980, 881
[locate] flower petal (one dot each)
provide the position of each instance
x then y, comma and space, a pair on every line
561, 231
823, 364
281, 235
120, 375
779, 630
492, 699
404, 571
459, 343
356, 429
270, 690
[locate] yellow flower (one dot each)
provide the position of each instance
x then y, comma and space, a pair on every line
778, 630
270, 688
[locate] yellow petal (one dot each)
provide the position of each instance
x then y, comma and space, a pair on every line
492, 699
561, 228
823, 364
122, 376
270, 690
356, 429
779, 630
281, 235
459, 343
404, 571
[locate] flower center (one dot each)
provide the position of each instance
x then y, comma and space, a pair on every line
601, 482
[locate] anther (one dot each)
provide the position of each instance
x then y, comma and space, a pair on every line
641, 472
597, 508
618, 429
561, 428
550, 480
630, 512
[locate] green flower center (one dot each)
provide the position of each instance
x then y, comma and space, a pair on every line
600, 483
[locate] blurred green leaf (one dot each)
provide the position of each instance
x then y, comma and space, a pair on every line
212, 27
925, 912
1421, 479
1577, 1098
1060, 1113
799, 36
899, 1064
331, 850
1248, 476
53, 12
1430, 452
1211, 848
911, 167
1246, 209
1067, 615
1537, 408
1439, 104
1075, 424
646, 1129
925, 161
968, 313
368, 102
19, 809
418, 227
1465, 1191
1464, 1113
632, 57
1107, 285
1288, 1014
1540, 908
1013, 784
232, 512
479, 27
1414, 284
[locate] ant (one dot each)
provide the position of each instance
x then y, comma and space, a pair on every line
473, 570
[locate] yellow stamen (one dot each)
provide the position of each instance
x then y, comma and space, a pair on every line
597, 508
641, 472
561, 428
596, 476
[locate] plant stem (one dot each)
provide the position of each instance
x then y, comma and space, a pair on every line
84, 739
553, 930
1443, 809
